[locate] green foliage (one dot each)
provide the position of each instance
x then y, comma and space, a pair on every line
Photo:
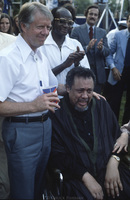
81, 5
115, 6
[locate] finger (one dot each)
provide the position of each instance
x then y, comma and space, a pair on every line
126, 148
78, 49
53, 105
120, 185
115, 147
120, 148
108, 191
116, 188
107, 188
99, 196
51, 94
112, 191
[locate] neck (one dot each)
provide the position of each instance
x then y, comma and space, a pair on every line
58, 39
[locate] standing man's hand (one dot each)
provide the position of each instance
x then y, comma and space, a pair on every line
91, 44
100, 44
93, 186
116, 74
46, 102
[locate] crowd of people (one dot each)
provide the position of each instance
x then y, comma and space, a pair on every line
75, 129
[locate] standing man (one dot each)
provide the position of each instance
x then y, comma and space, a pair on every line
63, 52
25, 73
119, 76
94, 42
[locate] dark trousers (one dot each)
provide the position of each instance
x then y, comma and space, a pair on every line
113, 94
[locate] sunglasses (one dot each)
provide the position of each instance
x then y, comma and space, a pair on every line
63, 21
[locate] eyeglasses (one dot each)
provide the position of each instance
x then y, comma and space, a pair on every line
63, 21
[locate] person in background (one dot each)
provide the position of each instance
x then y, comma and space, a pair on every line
118, 79
81, 149
123, 140
63, 2
1, 6
63, 53
51, 4
26, 129
15, 25
121, 25
94, 42
5, 24
5, 40
122, 145
71, 8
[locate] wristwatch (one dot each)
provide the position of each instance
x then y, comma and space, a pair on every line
116, 157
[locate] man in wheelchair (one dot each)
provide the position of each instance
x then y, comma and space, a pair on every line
84, 132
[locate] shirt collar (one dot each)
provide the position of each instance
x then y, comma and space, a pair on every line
50, 40
90, 26
25, 49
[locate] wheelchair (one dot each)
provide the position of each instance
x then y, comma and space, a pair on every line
54, 185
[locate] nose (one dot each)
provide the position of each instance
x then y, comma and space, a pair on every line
45, 31
85, 94
66, 24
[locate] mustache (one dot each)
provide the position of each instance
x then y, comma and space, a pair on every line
92, 19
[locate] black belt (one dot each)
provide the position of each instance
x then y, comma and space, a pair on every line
41, 118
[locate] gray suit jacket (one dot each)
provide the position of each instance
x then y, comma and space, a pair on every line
117, 47
81, 34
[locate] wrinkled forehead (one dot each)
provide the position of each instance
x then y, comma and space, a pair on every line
63, 13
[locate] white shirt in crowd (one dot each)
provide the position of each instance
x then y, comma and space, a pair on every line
56, 56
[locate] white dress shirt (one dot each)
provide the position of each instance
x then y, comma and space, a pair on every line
21, 70
56, 56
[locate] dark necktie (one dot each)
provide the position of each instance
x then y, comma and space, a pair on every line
90, 32
127, 54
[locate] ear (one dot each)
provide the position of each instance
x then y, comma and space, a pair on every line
67, 89
23, 27
53, 24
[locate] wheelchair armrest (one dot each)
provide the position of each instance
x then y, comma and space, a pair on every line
54, 184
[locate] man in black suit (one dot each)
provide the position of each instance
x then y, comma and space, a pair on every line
94, 42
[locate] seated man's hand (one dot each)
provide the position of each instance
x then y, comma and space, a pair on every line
112, 179
93, 186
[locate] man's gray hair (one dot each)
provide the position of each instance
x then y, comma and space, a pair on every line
28, 11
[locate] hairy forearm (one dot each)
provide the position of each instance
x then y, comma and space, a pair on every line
8, 108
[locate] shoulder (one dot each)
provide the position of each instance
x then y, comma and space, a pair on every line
6, 40
73, 41
80, 27
102, 103
101, 30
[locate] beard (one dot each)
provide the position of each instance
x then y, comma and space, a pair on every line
81, 109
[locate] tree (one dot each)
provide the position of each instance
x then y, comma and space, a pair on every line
81, 5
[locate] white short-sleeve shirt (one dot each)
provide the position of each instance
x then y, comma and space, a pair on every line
21, 70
